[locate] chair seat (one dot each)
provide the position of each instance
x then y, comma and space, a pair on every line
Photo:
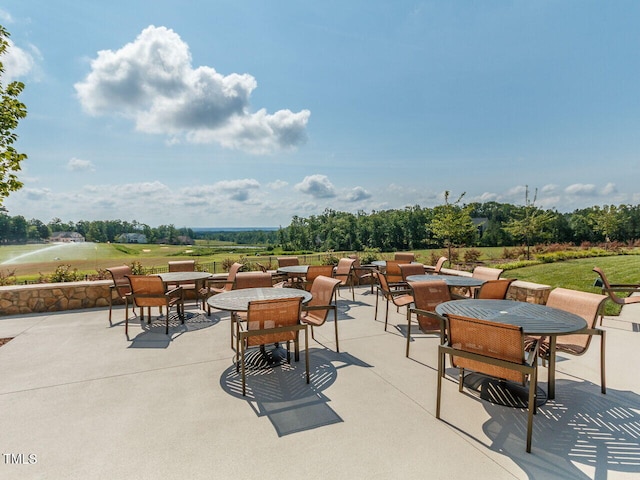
403, 300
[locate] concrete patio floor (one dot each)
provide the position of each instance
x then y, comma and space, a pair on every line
80, 401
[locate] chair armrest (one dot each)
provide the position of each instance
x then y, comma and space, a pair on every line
175, 292
621, 287
532, 352
399, 291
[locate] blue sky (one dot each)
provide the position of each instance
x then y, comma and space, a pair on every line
245, 113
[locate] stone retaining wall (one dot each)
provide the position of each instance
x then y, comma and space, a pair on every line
54, 297
518, 290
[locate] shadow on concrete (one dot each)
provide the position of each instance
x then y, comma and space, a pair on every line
279, 391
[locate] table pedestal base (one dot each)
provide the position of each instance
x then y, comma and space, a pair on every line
502, 392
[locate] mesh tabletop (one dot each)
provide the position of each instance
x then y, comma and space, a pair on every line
299, 269
183, 276
238, 300
534, 319
450, 280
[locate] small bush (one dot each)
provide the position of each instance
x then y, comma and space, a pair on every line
7, 278
137, 269
369, 255
226, 263
330, 259
472, 255
64, 273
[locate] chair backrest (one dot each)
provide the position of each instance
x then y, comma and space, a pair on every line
393, 272
147, 290
585, 304
314, 271
427, 296
182, 266
382, 281
490, 339
439, 264
495, 289
344, 270
487, 273
231, 276
405, 257
607, 286
323, 292
288, 261
408, 269
274, 313
253, 280
120, 282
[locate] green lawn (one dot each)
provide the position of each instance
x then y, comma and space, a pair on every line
578, 274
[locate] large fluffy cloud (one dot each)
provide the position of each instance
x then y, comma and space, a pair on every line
318, 186
153, 82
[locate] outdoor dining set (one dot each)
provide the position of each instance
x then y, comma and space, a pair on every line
487, 336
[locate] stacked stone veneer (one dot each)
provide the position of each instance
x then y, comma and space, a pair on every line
56, 297
518, 290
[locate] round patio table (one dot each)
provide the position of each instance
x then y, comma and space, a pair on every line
238, 300
197, 278
535, 319
295, 269
450, 280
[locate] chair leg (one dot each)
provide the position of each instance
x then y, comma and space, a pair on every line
335, 323
440, 375
306, 351
603, 381
375, 315
244, 389
533, 383
386, 316
110, 306
408, 331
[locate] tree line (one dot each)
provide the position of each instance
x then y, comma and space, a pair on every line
488, 224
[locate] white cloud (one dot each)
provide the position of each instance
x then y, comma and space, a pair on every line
549, 188
487, 197
317, 186
5, 16
277, 185
152, 81
609, 189
37, 193
580, 189
77, 164
357, 194
17, 62
237, 189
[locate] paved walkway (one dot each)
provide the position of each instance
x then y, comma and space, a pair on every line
80, 401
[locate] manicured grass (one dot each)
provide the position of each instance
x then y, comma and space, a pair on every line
578, 274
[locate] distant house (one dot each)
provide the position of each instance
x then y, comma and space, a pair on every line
184, 240
66, 237
132, 238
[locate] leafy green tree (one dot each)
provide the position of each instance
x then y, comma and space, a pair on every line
606, 221
11, 112
452, 224
531, 223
